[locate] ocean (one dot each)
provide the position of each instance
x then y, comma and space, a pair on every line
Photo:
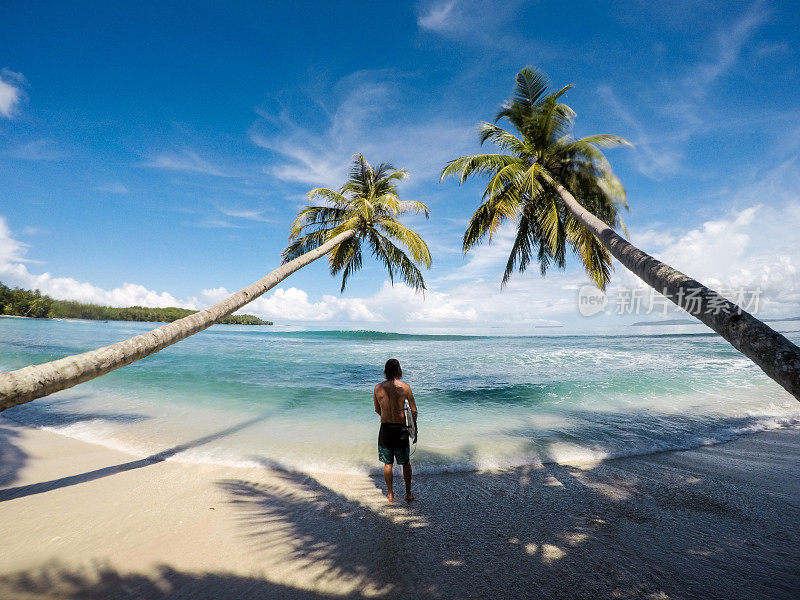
302, 400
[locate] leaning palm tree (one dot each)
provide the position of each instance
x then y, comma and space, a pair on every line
366, 208
563, 194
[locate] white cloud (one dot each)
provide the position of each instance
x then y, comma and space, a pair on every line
186, 160
15, 273
754, 248
750, 247
10, 92
730, 43
679, 106
11, 250
438, 16
490, 28
772, 49
38, 150
401, 304
654, 155
251, 215
478, 303
365, 118
651, 239
213, 223
292, 304
398, 305
67, 288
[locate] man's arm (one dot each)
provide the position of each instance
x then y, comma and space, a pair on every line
375, 401
412, 403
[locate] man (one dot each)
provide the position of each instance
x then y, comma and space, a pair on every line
389, 397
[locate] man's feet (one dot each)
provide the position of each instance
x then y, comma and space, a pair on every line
390, 496
410, 497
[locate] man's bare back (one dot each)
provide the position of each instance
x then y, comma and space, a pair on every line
389, 397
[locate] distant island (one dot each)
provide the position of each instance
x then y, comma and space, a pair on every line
26, 303
666, 322
696, 322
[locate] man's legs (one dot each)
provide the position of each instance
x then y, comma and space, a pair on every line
407, 478
387, 476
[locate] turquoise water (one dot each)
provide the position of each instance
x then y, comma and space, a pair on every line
302, 399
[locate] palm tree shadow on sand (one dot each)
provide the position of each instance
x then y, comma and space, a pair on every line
104, 582
13, 458
616, 530
54, 484
651, 528
458, 547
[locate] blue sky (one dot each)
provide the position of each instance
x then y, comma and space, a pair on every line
157, 156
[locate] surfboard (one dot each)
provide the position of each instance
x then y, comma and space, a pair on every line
412, 426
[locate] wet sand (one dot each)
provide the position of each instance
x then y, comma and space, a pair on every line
83, 521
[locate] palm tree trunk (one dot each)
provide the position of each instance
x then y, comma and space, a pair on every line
26, 384
777, 356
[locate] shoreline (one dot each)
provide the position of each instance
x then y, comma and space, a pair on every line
91, 522
176, 453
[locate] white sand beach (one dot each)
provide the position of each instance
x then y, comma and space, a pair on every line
83, 521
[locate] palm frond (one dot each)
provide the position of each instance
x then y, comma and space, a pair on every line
477, 164
550, 123
306, 243
413, 206
623, 227
513, 173
408, 238
530, 84
354, 222
605, 140
561, 92
501, 138
335, 198
612, 187
530, 183
551, 222
399, 174
477, 227
490, 215
345, 258
388, 204
317, 216
395, 260
521, 249
595, 257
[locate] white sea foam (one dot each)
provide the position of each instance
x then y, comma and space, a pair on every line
302, 402
442, 452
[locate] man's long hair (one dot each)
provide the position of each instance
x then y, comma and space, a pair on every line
392, 369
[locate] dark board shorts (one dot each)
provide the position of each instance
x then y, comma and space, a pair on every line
391, 444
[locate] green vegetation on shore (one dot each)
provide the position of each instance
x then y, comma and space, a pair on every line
27, 303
